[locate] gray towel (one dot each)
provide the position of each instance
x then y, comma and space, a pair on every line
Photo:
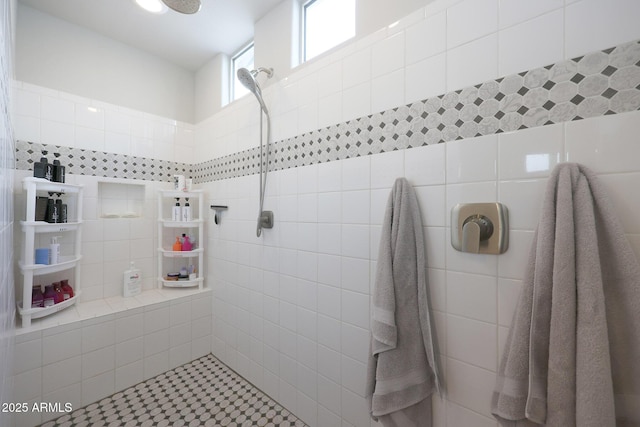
402, 367
572, 357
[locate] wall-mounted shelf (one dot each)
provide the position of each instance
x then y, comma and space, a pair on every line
168, 230
33, 231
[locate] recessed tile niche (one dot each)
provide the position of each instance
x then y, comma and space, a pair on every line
120, 200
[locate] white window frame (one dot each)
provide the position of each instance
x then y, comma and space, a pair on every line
233, 79
304, 5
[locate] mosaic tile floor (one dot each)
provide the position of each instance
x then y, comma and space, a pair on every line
204, 392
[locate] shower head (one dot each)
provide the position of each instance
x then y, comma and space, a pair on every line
183, 6
248, 80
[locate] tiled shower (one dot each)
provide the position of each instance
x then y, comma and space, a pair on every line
472, 101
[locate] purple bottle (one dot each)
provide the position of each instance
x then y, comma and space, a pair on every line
37, 298
49, 296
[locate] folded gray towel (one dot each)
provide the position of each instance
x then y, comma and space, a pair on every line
402, 367
572, 357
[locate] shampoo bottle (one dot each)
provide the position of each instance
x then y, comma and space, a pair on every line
43, 169
67, 290
52, 211
186, 211
54, 251
59, 296
186, 243
177, 211
37, 298
59, 210
132, 281
49, 296
58, 171
177, 246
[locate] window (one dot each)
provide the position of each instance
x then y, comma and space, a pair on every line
327, 23
242, 59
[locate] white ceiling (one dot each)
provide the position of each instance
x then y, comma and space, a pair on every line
187, 40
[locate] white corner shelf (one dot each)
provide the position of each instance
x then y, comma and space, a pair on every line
38, 312
30, 229
166, 254
181, 283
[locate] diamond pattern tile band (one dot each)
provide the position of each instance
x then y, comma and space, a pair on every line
600, 83
204, 392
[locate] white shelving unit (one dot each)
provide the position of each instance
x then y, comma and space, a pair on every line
32, 273
168, 230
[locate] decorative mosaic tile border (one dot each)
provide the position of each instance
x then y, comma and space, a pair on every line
98, 163
597, 84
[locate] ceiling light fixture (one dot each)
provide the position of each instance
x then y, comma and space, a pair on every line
153, 6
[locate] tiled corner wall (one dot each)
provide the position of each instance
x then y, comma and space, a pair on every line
84, 361
7, 163
291, 309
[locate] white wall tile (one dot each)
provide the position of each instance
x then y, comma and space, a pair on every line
530, 153
582, 17
330, 110
470, 386
514, 12
387, 91
425, 165
470, 20
355, 207
330, 176
523, 200
473, 159
387, 55
355, 309
472, 63
426, 78
58, 133
425, 38
386, 168
508, 294
356, 68
356, 101
57, 110
513, 263
89, 116
532, 44
355, 173
472, 342
619, 187
472, 296
606, 144
460, 416
355, 241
